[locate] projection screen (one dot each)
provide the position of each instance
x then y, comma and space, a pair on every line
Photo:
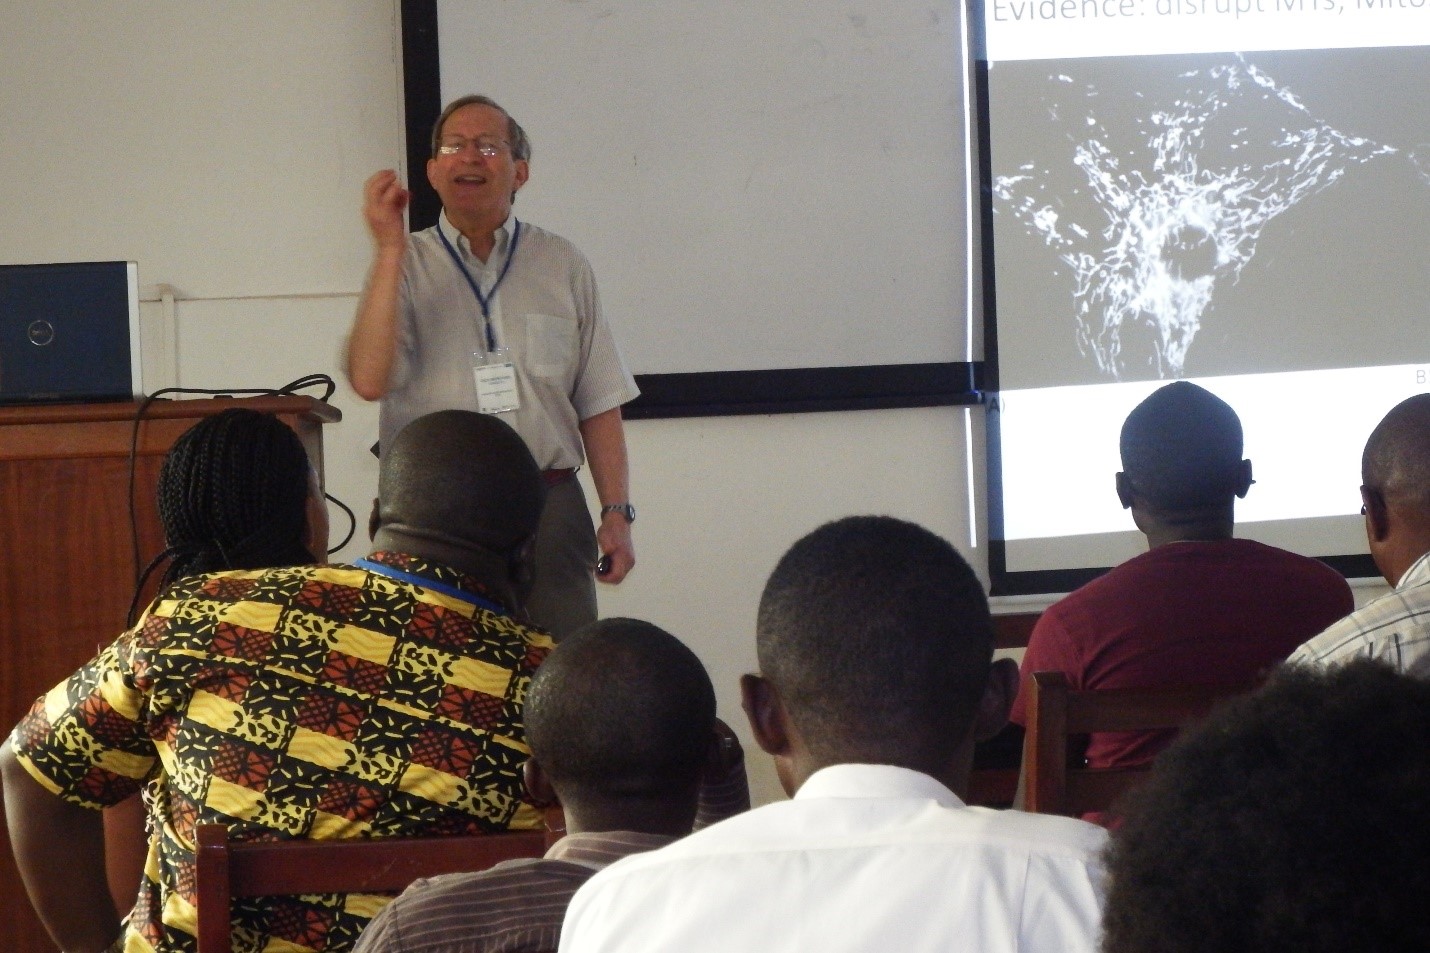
1234, 192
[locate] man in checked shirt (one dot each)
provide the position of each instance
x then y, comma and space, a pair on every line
1395, 491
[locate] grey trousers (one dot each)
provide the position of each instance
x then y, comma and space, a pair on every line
563, 594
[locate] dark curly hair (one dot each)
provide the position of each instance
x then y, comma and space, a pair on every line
232, 494
1291, 820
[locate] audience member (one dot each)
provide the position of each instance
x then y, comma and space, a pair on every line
1291, 820
1395, 468
303, 702
1200, 607
621, 723
875, 648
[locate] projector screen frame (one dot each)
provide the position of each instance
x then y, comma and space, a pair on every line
1003, 580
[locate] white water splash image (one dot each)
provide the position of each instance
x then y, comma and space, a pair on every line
1178, 209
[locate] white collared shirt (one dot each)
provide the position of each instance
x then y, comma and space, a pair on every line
1394, 628
864, 858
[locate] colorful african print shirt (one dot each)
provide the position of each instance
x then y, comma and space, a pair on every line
307, 702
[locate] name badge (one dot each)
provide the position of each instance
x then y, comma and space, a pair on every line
495, 377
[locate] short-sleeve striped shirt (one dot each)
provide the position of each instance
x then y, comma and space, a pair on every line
546, 314
306, 702
1394, 628
515, 907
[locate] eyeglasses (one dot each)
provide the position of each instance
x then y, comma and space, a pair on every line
487, 146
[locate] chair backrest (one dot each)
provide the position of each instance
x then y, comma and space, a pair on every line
1011, 630
226, 870
1056, 712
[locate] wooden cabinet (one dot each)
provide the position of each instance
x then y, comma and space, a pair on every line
67, 569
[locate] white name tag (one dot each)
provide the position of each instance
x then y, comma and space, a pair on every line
495, 377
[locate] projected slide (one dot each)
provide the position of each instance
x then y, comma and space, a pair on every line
1231, 191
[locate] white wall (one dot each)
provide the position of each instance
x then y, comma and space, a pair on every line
722, 498
223, 147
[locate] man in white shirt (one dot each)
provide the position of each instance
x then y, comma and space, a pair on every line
484, 312
1395, 628
875, 649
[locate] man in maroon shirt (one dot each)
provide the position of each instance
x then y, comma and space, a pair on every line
1199, 608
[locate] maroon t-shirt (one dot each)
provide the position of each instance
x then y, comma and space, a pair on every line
1191, 613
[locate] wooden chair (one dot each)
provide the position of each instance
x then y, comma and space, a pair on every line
386, 864
1011, 630
1055, 712
992, 787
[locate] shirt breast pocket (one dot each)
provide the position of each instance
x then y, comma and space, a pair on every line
551, 345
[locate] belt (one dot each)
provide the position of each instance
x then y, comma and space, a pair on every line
553, 477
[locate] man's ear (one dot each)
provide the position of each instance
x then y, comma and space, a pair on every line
1243, 479
1377, 515
766, 712
372, 520
1124, 490
723, 755
539, 789
997, 700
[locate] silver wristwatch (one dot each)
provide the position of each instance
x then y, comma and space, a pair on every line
625, 509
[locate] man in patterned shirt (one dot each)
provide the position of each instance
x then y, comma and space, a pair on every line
1395, 628
369, 700
624, 765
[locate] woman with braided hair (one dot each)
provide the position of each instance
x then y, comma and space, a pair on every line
236, 491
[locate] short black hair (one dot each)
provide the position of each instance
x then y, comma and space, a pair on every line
621, 709
1181, 448
1290, 820
1396, 460
876, 634
461, 476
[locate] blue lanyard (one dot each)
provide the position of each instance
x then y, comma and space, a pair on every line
484, 300
434, 585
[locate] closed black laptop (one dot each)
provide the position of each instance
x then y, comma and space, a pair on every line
69, 332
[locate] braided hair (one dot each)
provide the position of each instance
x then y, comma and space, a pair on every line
232, 494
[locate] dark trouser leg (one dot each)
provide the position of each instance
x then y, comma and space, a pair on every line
563, 593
